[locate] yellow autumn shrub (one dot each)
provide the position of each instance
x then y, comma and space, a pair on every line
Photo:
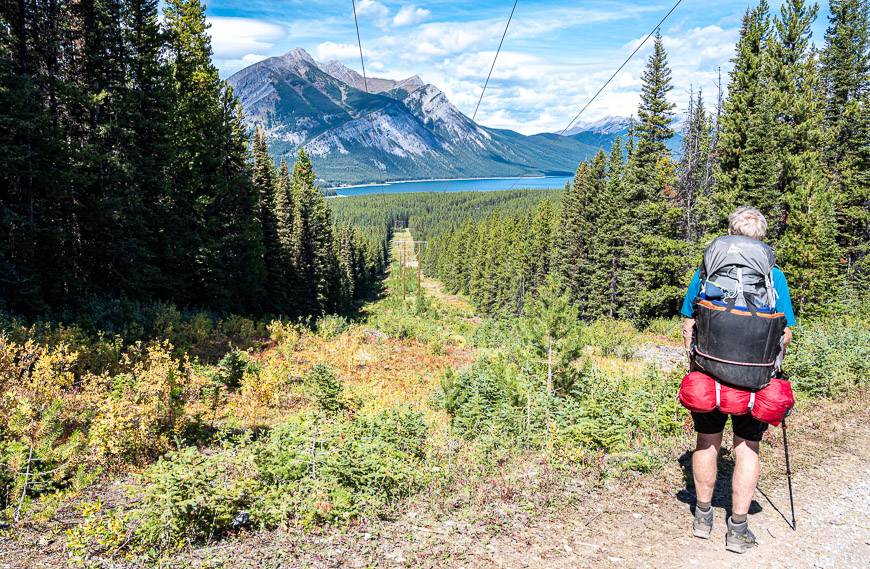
138, 413
40, 416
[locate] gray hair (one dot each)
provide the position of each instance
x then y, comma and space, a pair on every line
747, 221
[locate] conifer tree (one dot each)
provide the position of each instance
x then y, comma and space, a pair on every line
575, 236
348, 265
314, 260
609, 254
152, 148
542, 246
266, 188
655, 259
211, 189
655, 115
744, 166
846, 72
807, 250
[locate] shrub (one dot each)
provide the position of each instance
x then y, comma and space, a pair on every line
231, 369
244, 330
829, 357
315, 472
268, 383
485, 399
671, 328
331, 326
616, 338
100, 528
284, 333
498, 406
307, 471
40, 417
139, 412
190, 497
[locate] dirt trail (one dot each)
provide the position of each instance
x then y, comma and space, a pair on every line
651, 528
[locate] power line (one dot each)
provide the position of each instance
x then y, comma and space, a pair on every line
359, 43
624, 63
494, 59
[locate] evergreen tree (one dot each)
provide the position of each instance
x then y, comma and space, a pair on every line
542, 246
314, 258
846, 71
744, 169
576, 233
655, 116
807, 250
152, 149
347, 265
656, 254
39, 251
609, 254
211, 190
266, 187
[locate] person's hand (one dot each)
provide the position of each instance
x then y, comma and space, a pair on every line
786, 337
688, 327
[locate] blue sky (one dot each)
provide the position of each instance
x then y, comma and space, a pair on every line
556, 54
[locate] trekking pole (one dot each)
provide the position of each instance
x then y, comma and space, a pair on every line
788, 475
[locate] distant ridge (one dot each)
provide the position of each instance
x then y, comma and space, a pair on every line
398, 130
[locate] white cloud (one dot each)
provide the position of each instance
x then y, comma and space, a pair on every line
375, 10
531, 93
233, 38
330, 50
409, 15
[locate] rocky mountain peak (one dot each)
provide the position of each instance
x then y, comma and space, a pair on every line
298, 54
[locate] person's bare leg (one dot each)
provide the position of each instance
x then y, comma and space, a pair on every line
747, 468
704, 465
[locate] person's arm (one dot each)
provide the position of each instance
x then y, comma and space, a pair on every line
688, 308
783, 304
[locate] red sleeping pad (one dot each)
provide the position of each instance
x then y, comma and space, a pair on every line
768, 405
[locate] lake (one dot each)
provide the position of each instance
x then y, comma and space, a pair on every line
464, 185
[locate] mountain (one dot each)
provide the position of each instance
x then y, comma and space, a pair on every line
397, 130
602, 132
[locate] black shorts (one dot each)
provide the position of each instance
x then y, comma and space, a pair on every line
745, 426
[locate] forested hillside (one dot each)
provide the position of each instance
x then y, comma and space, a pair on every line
126, 173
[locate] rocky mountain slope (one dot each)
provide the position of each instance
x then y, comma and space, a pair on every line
397, 130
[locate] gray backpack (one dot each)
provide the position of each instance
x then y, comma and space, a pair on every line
738, 334
739, 270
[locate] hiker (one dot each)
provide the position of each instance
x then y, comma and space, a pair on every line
743, 223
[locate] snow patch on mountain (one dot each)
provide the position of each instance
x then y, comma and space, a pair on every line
605, 125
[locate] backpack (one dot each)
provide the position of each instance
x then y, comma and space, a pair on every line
738, 333
739, 268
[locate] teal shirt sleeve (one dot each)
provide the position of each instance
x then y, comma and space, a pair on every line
783, 296
688, 309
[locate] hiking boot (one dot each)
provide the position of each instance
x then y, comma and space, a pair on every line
703, 524
739, 539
